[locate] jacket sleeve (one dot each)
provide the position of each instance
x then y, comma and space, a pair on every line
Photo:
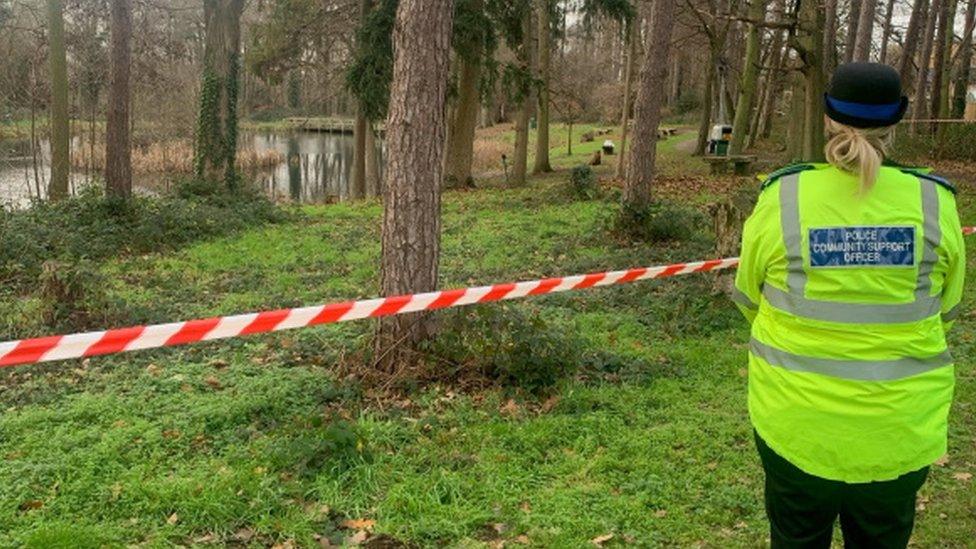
758, 237
954, 248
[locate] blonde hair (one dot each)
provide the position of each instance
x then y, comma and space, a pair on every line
858, 150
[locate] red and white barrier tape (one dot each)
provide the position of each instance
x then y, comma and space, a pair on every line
46, 349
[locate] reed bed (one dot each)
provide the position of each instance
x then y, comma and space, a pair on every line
170, 157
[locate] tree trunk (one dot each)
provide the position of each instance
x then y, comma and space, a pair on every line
374, 183
830, 35
965, 62
647, 116
865, 30
526, 60
925, 56
216, 138
542, 164
460, 141
906, 65
810, 49
416, 131
633, 30
118, 154
886, 31
942, 66
357, 190
705, 120
854, 18
750, 77
796, 131
60, 130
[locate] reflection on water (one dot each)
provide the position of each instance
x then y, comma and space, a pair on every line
316, 168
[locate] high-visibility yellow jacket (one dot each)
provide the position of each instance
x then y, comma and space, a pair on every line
850, 295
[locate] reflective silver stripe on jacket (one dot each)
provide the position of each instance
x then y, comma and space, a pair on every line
794, 300
859, 370
742, 299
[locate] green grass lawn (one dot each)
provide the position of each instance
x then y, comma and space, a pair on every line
261, 441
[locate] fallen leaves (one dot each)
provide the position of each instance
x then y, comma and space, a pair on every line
510, 408
962, 476
173, 519
30, 505
359, 524
600, 540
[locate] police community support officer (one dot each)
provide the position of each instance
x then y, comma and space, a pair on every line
851, 274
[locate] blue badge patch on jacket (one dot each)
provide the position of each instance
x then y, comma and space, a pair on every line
862, 247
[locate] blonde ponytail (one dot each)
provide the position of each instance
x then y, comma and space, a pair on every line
857, 150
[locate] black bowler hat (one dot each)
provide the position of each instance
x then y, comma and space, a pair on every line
865, 95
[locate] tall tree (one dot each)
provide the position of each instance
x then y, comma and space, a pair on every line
60, 130
808, 43
942, 64
544, 33
750, 77
830, 35
919, 105
358, 187
886, 30
965, 62
865, 30
118, 154
650, 97
474, 43
633, 45
416, 130
906, 65
853, 20
216, 135
715, 24
525, 91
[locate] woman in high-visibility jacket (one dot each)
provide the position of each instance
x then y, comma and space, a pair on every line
851, 274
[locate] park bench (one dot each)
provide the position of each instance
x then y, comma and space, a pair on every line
719, 164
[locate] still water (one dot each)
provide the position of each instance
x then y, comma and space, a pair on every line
315, 168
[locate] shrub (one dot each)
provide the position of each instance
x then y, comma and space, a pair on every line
94, 227
508, 345
950, 142
659, 222
583, 183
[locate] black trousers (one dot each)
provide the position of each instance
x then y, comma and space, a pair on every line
802, 508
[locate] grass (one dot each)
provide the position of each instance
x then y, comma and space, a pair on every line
258, 441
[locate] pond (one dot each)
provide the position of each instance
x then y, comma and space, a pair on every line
311, 168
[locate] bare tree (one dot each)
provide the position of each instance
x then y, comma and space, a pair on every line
750, 77
60, 130
650, 97
526, 55
906, 65
925, 58
853, 20
358, 187
416, 130
118, 154
886, 31
865, 30
633, 44
464, 119
941, 64
965, 62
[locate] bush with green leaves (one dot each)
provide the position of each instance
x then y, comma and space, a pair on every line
659, 222
508, 344
583, 182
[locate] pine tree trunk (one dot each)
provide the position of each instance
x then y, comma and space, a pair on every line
526, 60
865, 30
854, 18
965, 62
118, 154
464, 122
542, 164
632, 44
60, 130
374, 179
886, 32
650, 96
906, 64
416, 132
924, 59
750, 76
216, 136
